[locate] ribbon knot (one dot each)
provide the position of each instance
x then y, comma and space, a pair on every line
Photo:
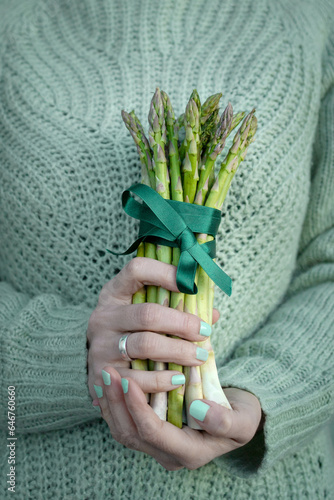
186, 240
173, 223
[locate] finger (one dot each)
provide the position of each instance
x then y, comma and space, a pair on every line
157, 433
112, 402
215, 316
157, 318
138, 272
96, 406
148, 345
186, 447
154, 381
116, 413
220, 422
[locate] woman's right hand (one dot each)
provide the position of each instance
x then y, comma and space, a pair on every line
115, 316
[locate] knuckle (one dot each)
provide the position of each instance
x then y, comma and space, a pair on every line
144, 343
190, 325
93, 320
147, 315
184, 350
225, 421
155, 383
106, 291
135, 267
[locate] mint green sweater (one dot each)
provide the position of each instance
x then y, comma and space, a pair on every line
67, 68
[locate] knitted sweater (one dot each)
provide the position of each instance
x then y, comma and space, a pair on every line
67, 69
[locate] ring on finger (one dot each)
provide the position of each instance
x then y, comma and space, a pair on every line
122, 348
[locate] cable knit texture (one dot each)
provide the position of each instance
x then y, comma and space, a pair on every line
67, 69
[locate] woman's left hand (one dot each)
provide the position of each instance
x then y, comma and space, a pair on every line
134, 424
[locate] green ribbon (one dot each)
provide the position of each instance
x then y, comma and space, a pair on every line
173, 223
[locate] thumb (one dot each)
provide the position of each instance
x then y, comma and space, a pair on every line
239, 424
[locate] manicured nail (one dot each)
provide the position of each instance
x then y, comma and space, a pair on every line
198, 410
98, 390
178, 379
125, 385
202, 354
205, 329
106, 377
97, 408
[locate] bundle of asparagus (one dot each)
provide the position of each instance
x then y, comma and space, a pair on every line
185, 171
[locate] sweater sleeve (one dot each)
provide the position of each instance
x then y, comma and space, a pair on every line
288, 363
43, 355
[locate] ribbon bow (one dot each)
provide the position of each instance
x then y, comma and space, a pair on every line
173, 223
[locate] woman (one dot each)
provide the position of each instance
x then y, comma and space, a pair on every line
67, 70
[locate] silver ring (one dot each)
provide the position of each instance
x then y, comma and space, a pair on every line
122, 348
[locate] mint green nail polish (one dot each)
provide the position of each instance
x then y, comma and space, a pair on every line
125, 385
106, 377
97, 408
178, 379
202, 354
198, 410
205, 329
98, 390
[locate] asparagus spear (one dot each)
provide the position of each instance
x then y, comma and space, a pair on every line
175, 397
214, 148
199, 303
158, 139
136, 130
209, 118
190, 179
207, 173
235, 156
192, 144
210, 381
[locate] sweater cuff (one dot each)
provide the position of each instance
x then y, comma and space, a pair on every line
44, 357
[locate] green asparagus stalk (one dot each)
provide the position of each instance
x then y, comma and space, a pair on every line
192, 144
214, 148
175, 397
190, 179
199, 303
158, 140
190, 171
234, 157
138, 134
210, 380
210, 106
209, 118
136, 130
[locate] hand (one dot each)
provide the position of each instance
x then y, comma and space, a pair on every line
115, 315
133, 423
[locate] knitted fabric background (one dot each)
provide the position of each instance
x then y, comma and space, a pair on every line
67, 70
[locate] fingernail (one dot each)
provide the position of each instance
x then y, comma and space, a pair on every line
198, 410
98, 390
205, 329
178, 379
125, 385
106, 377
202, 354
97, 408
